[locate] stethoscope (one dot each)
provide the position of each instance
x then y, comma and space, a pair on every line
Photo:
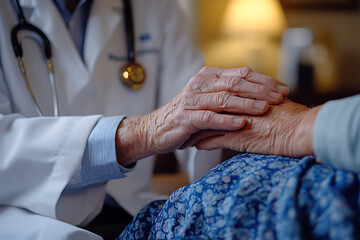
132, 73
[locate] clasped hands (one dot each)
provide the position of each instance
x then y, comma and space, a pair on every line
218, 108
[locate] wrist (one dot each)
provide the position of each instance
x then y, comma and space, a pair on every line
132, 140
303, 144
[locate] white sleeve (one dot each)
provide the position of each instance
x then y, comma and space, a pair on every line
181, 60
18, 223
336, 138
38, 156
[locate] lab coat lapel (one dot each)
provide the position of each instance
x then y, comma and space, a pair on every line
105, 17
47, 18
70, 71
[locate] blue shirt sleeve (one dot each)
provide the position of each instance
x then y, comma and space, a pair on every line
99, 163
336, 137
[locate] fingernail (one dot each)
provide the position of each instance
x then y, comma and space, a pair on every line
260, 105
275, 96
283, 89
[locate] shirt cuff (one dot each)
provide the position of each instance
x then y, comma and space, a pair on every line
99, 163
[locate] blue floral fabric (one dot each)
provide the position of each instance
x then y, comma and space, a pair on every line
257, 197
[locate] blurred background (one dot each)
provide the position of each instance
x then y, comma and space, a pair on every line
311, 45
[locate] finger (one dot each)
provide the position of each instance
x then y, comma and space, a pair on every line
195, 138
208, 120
254, 77
242, 88
272, 83
222, 72
209, 70
226, 102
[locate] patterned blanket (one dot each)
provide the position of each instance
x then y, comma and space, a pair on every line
257, 197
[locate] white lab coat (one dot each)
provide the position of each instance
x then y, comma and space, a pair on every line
39, 155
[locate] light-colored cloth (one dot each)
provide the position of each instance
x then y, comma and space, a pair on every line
336, 138
99, 163
40, 155
76, 22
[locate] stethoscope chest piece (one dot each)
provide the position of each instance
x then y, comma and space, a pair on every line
133, 75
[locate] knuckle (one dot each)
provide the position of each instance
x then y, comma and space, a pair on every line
186, 96
205, 69
194, 79
197, 100
259, 90
223, 99
195, 82
190, 100
207, 116
269, 81
232, 83
245, 71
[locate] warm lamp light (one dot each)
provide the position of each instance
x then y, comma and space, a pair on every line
256, 17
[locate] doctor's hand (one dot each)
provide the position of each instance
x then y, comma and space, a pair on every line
209, 101
286, 129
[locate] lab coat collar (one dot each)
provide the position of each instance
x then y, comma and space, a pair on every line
71, 67
46, 16
105, 17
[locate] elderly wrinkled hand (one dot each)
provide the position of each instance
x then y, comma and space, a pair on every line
286, 129
210, 100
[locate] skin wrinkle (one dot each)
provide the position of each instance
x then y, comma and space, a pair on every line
291, 137
245, 72
162, 127
241, 86
198, 107
125, 156
195, 83
286, 133
223, 100
285, 129
233, 83
272, 136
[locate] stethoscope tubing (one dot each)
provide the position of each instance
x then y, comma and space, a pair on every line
134, 72
26, 26
129, 28
18, 51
